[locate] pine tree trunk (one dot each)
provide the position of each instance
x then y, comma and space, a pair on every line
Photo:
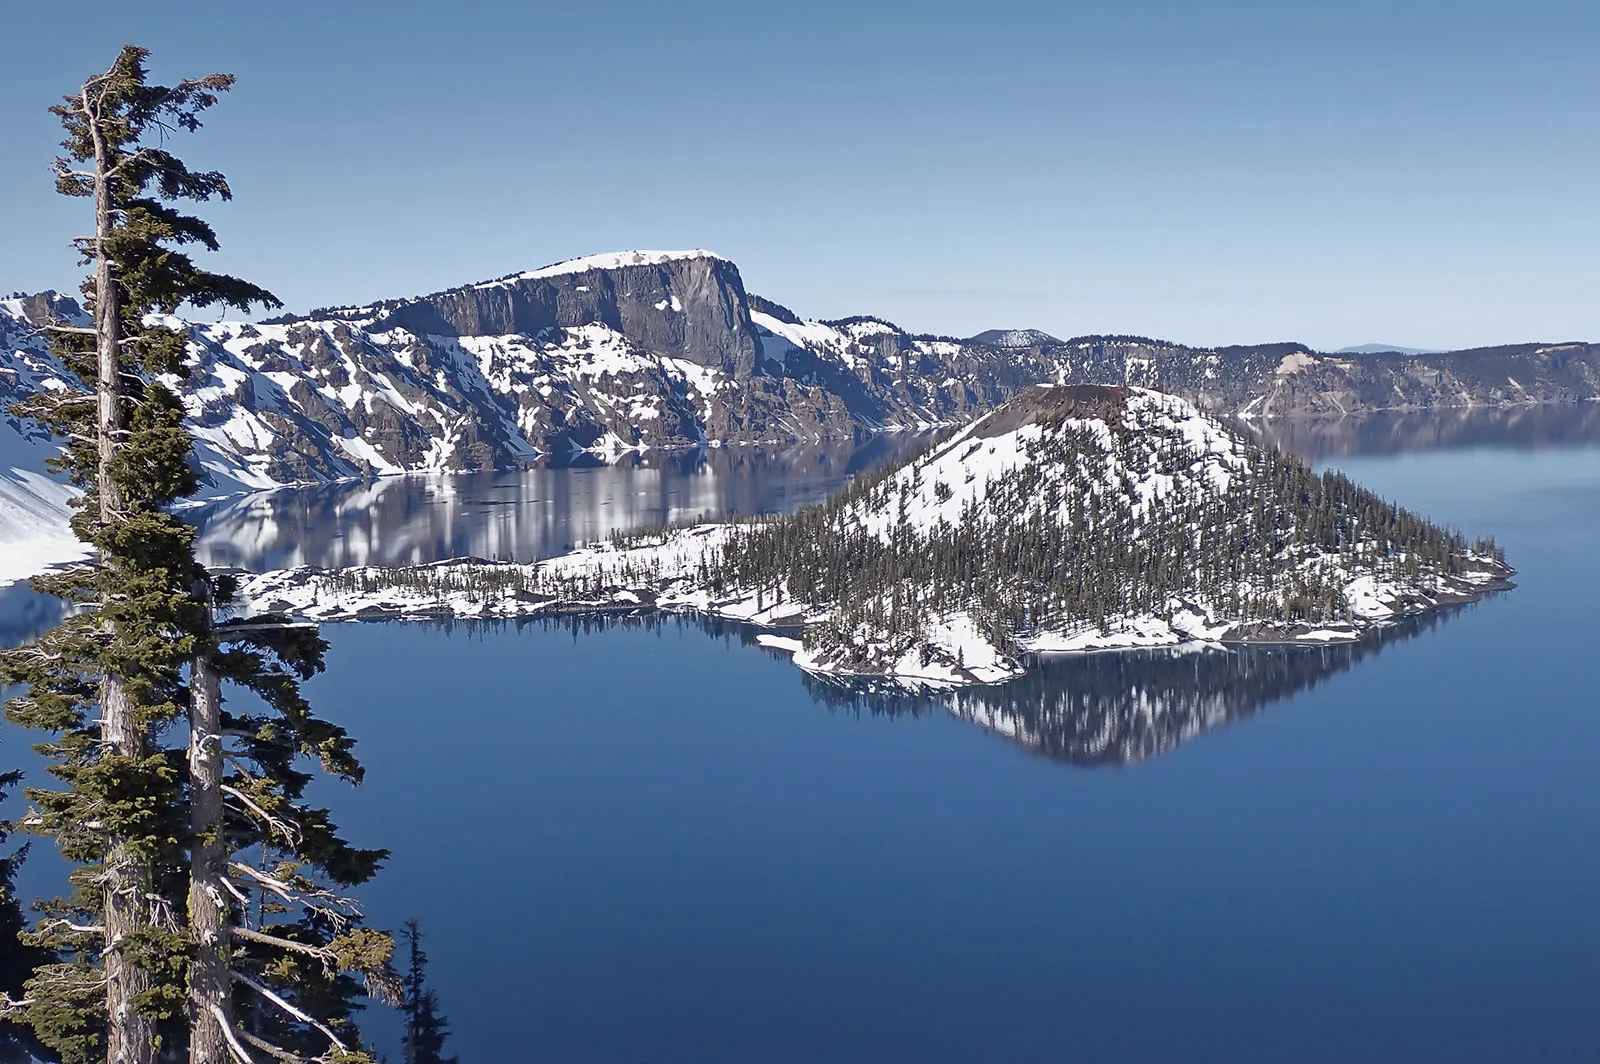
208, 976
107, 325
130, 1038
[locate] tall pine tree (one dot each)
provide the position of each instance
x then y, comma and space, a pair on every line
282, 954
109, 679
157, 833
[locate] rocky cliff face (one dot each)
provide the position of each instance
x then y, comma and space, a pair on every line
667, 349
690, 305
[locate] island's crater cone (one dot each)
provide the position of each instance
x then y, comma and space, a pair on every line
1054, 404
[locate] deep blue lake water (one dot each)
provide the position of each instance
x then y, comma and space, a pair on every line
654, 844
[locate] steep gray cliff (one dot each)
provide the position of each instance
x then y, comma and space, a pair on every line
689, 305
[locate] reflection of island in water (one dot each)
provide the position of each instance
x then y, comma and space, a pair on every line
1119, 707
1087, 709
1395, 431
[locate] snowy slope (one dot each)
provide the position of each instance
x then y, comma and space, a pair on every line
34, 509
961, 479
1015, 338
615, 260
34, 506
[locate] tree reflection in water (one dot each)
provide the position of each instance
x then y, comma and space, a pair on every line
1103, 708
1121, 707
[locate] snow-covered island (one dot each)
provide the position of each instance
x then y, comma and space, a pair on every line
1072, 518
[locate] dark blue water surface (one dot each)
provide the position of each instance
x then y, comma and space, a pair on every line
651, 843
639, 845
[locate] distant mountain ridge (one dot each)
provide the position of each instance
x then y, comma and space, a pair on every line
1014, 338
1386, 349
648, 349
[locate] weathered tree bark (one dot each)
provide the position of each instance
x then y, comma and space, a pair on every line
130, 1038
209, 1000
107, 322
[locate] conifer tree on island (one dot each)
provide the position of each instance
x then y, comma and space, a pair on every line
205, 918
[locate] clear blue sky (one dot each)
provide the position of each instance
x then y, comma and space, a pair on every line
1426, 174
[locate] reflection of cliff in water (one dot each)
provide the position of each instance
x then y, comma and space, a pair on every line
1118, 707
523, 515
1394, 431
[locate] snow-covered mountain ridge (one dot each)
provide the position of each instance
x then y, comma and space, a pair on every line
1071, 518
665, 349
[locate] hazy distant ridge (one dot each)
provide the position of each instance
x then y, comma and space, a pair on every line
1378, 349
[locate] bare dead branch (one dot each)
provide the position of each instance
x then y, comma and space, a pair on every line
326, 956
225, 630
235, 891
290, 832
238, 1051
277, 886
276, 1052
336, 909
10, 1006
286, 1007
68, 925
